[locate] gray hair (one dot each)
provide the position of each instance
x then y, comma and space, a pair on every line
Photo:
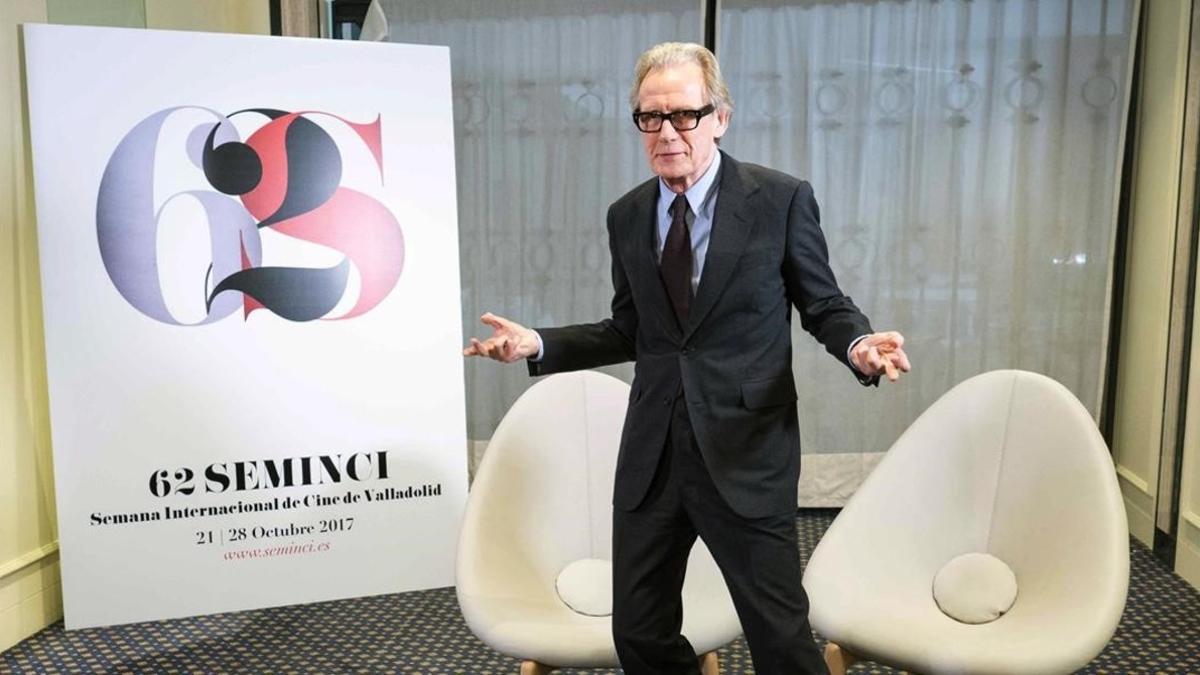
679, 53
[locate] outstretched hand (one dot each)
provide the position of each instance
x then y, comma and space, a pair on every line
510, 341
881, 354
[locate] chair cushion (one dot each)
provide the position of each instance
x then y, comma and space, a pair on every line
975, 588
586, 586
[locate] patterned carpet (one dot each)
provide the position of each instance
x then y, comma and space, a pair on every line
423, 633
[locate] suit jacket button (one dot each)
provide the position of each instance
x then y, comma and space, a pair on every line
666, 400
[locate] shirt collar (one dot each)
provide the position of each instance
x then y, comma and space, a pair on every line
699, 193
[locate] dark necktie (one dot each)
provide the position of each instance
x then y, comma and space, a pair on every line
676, 264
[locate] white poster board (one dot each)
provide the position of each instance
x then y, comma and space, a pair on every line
250, 277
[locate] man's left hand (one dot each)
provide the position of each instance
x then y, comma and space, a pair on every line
881, 354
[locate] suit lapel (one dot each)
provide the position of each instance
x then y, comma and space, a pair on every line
730, 232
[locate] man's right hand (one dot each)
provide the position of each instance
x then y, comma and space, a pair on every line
509, 341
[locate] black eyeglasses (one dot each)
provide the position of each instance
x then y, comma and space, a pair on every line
682, 120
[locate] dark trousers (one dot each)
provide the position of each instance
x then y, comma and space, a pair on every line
758, 557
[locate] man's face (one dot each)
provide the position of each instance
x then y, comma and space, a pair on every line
679, 157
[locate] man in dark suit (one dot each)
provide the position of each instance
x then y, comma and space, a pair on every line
708, 258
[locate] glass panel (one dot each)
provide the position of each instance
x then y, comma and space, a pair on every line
544, 144
965, 156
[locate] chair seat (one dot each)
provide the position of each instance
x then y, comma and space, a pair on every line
542, 629
913, 634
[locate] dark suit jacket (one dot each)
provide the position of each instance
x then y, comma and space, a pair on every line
734, 358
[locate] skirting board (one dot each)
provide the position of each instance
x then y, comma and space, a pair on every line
828, 481
30, 600
1187, 555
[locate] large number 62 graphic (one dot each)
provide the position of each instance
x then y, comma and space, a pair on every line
287, 176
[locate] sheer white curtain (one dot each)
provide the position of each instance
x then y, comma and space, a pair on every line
544, 144
966, 156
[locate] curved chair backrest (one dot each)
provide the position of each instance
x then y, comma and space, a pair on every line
1008, 463
542, 499
542, 496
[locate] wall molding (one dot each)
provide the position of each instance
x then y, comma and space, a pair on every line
1187, 558
1134, 480
1191, 518
1139, 504
1141, 523
25, 560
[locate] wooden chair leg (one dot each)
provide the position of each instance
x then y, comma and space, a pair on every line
534, 668
838, 660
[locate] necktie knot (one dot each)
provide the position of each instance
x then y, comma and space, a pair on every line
680, 209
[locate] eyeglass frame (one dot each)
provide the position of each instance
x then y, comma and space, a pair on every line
696, 115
